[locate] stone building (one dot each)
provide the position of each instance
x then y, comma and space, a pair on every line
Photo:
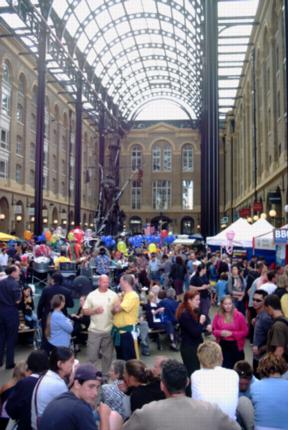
254, 138
167, 193
18, 95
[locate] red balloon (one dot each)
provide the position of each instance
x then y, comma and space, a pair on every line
164, 233
78, 234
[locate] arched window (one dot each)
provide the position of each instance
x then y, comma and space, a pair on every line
187, 158
161, 157
22, 86
6, 88
136, 157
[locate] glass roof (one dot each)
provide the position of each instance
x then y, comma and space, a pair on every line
142, 50
139, 49
235, 23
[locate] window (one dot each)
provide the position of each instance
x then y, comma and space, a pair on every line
4, 142
33, 121
6, 89
5, 101
20, 113
32, 151
18, 173
54, 185
161, 157
187, 158
136, 158
161, 195
187, 194
63, 188
3, 169
19, 145
136, 195
278, 105
6, 73
45, 181
156, 159
32, 178
167, 158
21, 86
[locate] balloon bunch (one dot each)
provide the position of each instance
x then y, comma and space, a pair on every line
136, 241
108, 241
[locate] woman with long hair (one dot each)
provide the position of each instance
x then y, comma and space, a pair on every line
192, 325
230, 329
59, 327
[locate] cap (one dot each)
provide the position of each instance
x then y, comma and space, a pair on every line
86, 372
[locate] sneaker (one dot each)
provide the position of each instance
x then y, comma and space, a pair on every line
174, 347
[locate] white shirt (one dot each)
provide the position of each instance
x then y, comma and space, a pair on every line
269, 287
3, 259
219, 386
50, 387
101, 322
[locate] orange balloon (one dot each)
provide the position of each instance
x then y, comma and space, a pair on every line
27, 235
48, 235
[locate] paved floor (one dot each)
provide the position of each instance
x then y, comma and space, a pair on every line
23, 351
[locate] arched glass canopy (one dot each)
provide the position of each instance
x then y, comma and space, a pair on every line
137, 49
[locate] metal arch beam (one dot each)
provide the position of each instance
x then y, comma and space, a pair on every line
147, 46
71, 10
130, 17
32, 17
140, 107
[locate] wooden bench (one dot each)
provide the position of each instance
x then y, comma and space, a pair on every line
22, 326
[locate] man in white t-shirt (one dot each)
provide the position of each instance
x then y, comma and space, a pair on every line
270, 286
98, 305
214, 383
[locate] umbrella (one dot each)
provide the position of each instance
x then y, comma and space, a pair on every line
6, 237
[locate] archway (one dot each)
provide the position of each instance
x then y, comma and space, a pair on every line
161, 222
187, 225
135, 225
4, 215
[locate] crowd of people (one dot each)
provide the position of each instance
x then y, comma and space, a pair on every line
212, 308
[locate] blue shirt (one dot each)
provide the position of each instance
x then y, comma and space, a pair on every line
270, 400
61, 328
221, 289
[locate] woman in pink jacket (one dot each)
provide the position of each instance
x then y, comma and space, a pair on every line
230, 329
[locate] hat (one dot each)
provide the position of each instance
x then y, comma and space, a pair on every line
86, 372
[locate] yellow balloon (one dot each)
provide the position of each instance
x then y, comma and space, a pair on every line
121, 247
152, 248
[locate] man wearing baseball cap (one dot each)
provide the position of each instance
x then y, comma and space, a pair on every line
73, 410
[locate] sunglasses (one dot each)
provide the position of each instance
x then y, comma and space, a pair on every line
257, 300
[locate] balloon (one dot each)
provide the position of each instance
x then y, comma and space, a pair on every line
41, 238
70, 236
152, 248
27, 235
164, 233
48, 235
121, 247
78, 235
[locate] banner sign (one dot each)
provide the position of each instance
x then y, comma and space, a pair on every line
281, 235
